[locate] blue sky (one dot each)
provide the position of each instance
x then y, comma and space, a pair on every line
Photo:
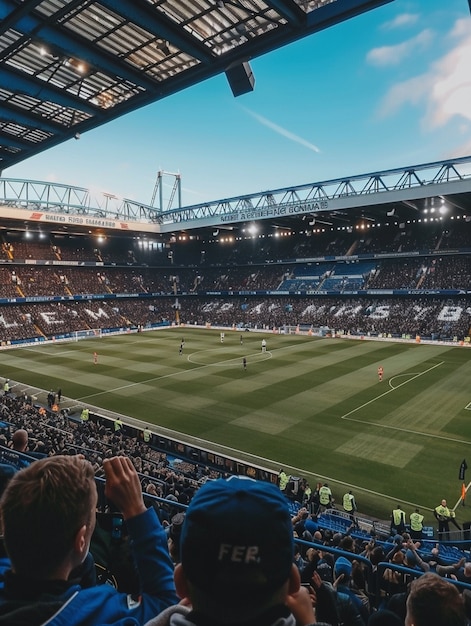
383, 90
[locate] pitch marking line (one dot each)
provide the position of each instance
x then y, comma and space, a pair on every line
155, 378
255, 357
50, 353
173, 374
404, 430
390, 390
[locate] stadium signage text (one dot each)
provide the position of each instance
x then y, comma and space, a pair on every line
342, 312
89, 217
275, 211
73, 219
308, 292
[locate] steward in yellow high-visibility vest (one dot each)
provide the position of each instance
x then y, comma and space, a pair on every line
444, 516
416, 524
349, 505
325, 495
283, 480
398, 521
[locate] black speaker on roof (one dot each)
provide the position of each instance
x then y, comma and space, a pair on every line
241, 78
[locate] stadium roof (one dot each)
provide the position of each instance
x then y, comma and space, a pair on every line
67, 66
414, 193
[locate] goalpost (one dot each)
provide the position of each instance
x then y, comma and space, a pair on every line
87, 334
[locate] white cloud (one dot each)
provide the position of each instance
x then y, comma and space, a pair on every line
410, 91
402, 20
282, 131
445, 89
394, 55
460, 29
451, 93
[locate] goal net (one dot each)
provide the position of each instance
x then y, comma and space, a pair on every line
87, 334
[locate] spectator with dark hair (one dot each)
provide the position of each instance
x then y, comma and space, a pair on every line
433, 600
48, 514
236, 565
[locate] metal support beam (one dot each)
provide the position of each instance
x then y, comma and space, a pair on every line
11, 20
15, 142
140, 13
70, 45
289, 10
39, 89
29, 120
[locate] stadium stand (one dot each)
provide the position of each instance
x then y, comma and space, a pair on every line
424, 272
267, 289
328, 543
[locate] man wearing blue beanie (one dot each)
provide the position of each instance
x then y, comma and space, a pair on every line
236, 566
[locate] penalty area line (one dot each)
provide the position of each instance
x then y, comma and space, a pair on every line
361, 406
403, 430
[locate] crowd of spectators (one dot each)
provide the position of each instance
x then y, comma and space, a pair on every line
214, 288
416, 273
54, 432
353, 579
354, 576
454, 275
436, 318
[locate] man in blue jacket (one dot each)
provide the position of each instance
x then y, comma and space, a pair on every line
49, 512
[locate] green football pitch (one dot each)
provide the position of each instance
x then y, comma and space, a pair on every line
310, 405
